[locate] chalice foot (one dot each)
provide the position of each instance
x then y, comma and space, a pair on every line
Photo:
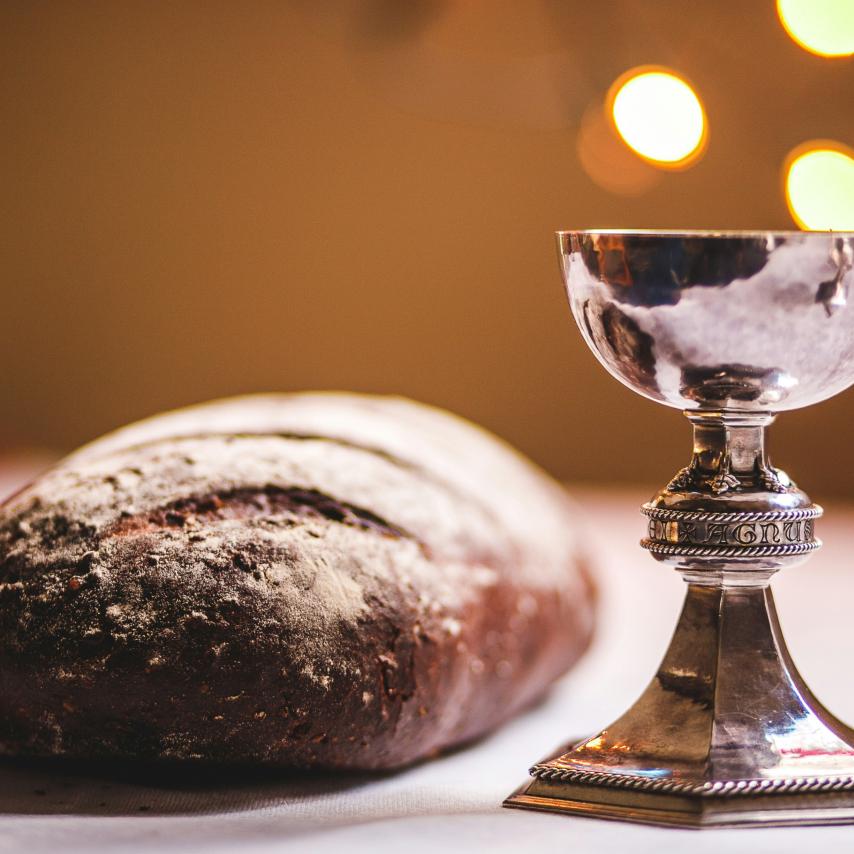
727, 733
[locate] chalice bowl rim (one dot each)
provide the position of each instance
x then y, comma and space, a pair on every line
726, 233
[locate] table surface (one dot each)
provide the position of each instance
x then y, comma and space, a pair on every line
453, 803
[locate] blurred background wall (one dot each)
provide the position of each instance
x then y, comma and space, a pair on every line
208, 198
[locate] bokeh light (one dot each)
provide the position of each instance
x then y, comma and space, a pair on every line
607, 161
819, 179
823, 27
659, 116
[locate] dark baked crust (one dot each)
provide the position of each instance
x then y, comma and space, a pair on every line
312, 580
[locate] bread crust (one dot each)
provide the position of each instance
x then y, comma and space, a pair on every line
331, 581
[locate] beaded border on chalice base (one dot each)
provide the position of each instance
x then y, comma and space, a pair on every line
709, 788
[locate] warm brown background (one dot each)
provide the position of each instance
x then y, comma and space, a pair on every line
207, 198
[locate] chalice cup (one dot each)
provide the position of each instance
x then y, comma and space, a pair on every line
731, 328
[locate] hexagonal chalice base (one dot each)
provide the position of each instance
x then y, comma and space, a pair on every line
731, 328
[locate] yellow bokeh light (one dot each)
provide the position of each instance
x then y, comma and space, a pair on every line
823, 27
820, 186
659, 116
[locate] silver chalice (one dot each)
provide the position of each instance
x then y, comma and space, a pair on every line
731, 328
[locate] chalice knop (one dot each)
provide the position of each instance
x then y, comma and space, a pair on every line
731, 328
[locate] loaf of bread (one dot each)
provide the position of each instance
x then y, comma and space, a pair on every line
315, 580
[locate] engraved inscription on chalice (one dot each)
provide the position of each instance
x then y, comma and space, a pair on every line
698, 532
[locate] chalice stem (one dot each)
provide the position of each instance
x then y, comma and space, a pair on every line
727, 718
729, 452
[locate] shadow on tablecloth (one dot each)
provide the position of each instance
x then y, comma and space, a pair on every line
64, 787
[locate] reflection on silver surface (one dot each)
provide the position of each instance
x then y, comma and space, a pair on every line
752, 322
731, 328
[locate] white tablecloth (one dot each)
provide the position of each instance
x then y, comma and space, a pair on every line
453, 803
